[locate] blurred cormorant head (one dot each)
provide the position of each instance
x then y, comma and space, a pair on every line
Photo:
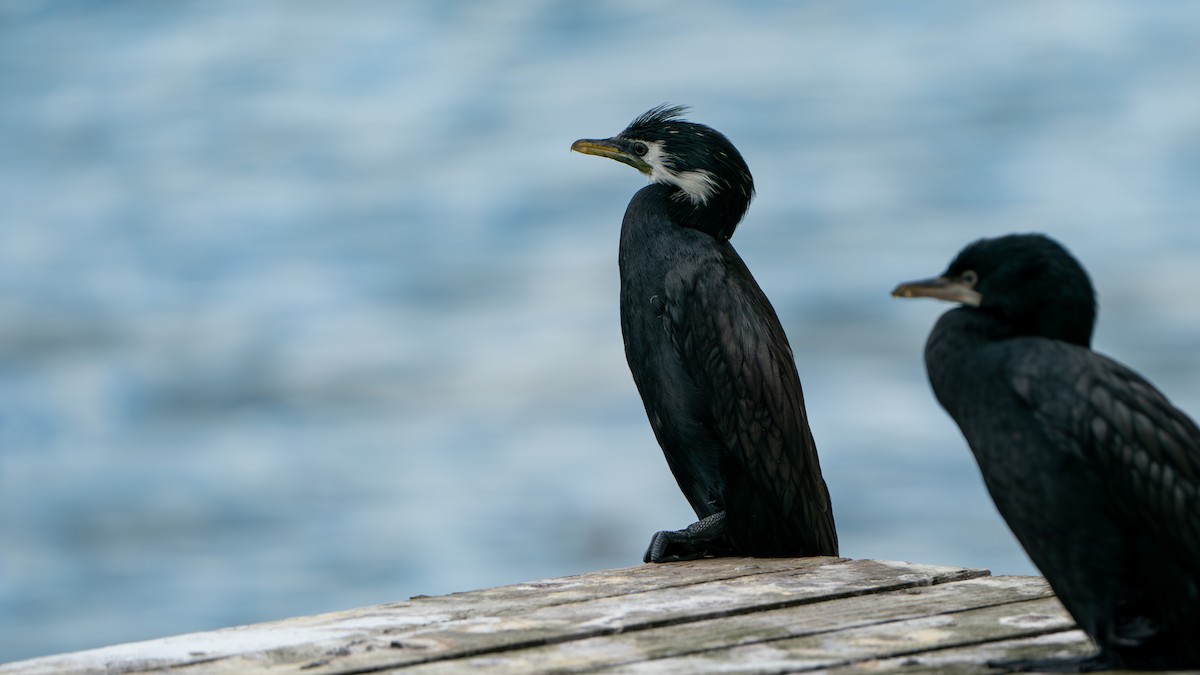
1029, 282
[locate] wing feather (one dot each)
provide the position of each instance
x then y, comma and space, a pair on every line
1147, 451
727, 332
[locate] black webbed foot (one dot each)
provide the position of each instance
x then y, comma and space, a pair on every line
701, 539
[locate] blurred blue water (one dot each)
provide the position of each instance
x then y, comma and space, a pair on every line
306, 305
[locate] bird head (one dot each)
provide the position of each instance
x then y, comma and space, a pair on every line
1027, 281
712, 184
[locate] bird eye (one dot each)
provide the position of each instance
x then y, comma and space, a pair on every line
970, 278
640, 148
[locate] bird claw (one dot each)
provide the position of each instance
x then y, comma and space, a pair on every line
690, 543
657, 551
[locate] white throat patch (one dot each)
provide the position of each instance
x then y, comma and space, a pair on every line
697, 185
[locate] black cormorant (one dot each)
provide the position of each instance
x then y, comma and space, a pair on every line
707, 353
1097, 474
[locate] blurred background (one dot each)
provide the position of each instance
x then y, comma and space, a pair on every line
306, 306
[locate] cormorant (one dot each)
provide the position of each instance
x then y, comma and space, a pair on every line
707, 352
1095, 472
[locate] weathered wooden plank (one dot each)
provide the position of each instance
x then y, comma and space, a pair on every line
496, 620
622, 581
313, 636
880, 640
688, 638
485, 631
971, 660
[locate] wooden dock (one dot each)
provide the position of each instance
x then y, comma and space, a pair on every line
728, 615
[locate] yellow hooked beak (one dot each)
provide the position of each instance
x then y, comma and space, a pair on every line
612, 149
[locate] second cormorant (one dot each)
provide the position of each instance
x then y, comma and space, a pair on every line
1095, 472
708, 354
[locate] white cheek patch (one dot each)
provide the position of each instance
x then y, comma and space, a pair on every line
697, 185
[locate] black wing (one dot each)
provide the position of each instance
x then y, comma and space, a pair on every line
727, 333
1146, 450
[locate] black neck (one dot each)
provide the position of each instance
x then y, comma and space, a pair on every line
718, 217
1068, 322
